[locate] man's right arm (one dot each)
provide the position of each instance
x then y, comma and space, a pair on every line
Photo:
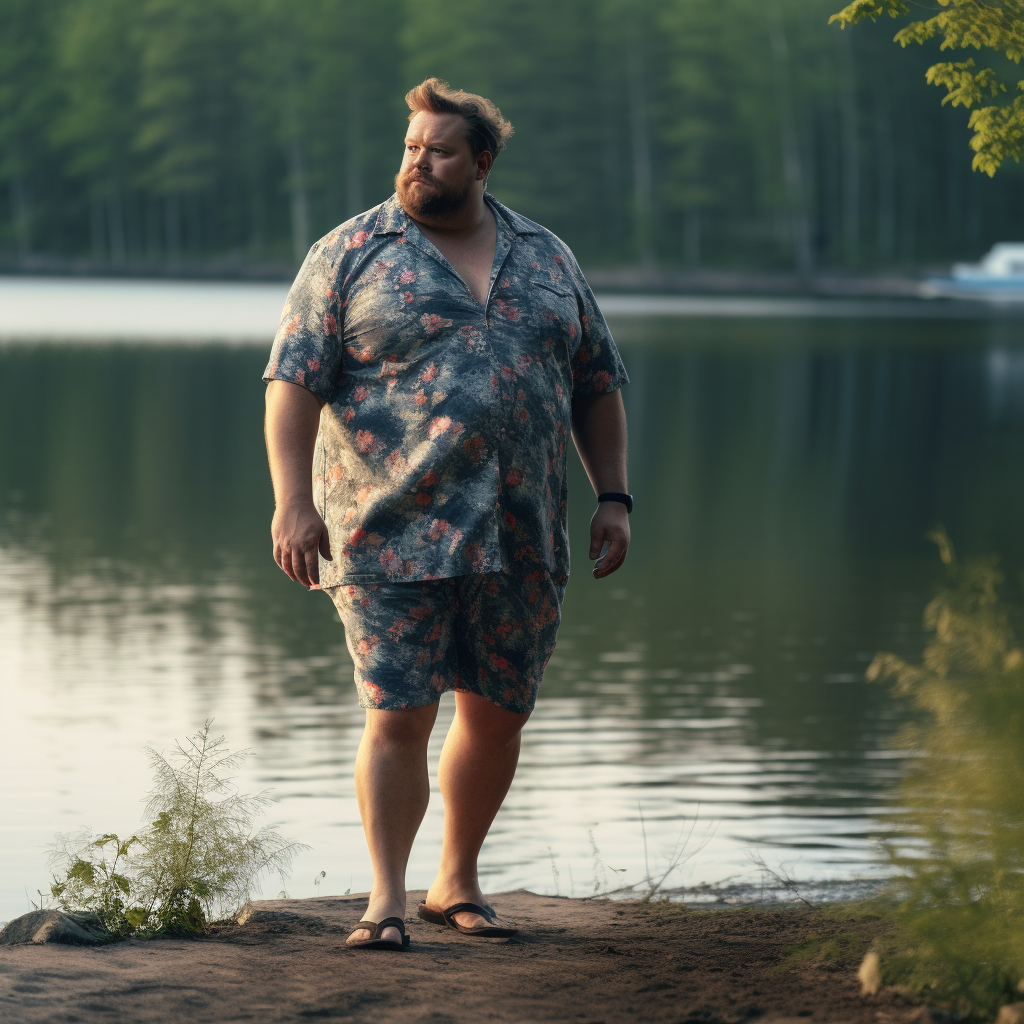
298, 531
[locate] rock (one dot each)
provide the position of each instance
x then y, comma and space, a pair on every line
870, 974
41, 926
1011, 1013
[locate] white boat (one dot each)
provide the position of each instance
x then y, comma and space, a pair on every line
998, 277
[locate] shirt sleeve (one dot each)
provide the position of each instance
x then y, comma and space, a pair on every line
596, 367
307, 350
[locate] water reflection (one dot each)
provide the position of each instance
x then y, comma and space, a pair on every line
785, 476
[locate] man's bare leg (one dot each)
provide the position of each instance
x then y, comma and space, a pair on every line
393, 791
477, 764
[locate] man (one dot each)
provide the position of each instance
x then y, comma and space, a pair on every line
433, 356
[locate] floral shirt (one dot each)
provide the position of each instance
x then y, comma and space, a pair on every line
443, 441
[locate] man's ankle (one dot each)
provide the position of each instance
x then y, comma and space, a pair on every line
455, 884
390, 897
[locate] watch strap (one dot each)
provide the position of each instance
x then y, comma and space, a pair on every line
625, 499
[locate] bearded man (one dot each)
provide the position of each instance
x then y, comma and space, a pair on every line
433, 357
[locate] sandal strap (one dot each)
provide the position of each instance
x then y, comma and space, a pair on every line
376, 929
468, 908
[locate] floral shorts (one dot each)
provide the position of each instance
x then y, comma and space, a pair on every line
487, 633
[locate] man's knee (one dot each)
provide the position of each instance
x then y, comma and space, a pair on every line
482, 717
408, 725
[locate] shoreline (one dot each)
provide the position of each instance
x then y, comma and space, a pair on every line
168, 311
897, 283
573, 959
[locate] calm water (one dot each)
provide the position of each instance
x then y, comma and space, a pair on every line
786, 471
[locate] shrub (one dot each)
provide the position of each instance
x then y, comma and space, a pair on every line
201, 853
960, 920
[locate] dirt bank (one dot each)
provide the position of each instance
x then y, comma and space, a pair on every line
574, 960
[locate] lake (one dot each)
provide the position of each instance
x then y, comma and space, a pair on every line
787, 464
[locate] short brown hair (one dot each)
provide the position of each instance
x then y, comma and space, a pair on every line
486, 129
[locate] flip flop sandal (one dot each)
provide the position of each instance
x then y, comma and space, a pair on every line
376, 931
447, 918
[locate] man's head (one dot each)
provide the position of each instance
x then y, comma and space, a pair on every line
452, 141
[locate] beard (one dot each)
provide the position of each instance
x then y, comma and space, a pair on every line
433, 199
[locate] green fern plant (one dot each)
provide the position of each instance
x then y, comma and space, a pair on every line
201, 854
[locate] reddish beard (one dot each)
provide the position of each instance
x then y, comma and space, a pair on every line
434, 198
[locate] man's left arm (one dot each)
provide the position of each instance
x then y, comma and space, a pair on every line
599, 431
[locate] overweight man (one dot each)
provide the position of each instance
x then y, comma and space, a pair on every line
434, 355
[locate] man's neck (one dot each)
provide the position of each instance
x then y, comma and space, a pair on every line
468, 244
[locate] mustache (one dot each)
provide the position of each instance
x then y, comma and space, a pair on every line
418, 175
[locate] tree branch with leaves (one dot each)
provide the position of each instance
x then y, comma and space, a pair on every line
965, 24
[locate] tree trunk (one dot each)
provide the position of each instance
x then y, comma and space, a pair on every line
611, 158
691, 237
257, 215
974, 184
97, 235
354, 152
643, 185
151, 224
851, 151
21, 217
886, 179
792, 169
300, 200
172, 227
115, 228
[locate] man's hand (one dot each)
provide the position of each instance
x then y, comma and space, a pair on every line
298, 533
599, 430
293, 415
611, 524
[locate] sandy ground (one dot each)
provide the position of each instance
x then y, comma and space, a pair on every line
574, 960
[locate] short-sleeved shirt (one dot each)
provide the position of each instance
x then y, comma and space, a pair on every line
443, 441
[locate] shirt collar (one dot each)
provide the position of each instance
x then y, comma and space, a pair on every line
393, 220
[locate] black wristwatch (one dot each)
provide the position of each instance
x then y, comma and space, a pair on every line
625, 499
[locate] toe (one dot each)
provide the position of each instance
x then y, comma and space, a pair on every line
362, 934
468, 920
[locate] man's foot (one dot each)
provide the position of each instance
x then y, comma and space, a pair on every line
378, 909
440, 897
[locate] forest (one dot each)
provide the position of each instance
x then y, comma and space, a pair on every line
163, 135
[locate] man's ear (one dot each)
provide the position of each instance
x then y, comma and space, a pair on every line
484, 163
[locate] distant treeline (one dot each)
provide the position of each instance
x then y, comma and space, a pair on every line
727, 133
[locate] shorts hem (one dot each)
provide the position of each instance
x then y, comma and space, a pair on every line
515, 710
404, 707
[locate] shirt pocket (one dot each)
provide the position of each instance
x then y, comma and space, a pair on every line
556, 315
560, 289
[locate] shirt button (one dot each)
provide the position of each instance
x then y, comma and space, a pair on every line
502, 431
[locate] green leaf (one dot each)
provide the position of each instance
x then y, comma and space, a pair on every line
83, 871
873, 9
121, 882
123, 848
136, 917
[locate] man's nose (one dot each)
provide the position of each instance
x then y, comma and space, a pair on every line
422, 157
